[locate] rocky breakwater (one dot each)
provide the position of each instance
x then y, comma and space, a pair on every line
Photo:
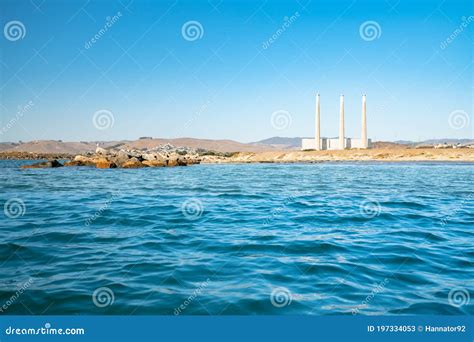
161, 156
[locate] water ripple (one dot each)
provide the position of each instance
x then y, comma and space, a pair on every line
252, 230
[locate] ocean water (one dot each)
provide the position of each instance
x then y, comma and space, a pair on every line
318, 239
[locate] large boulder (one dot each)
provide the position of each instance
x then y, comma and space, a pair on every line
172, 162
136, 154
101, 151
74, 163
133, 164
84, 161
149, 156
120, 158
43, 165
154, 163
105, 164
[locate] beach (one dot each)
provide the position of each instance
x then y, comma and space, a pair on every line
387, 155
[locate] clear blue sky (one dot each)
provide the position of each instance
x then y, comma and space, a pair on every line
225, 85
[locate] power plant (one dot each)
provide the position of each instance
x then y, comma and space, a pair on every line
341, 142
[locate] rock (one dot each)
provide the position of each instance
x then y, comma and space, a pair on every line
149, 156
182, 162
84, 161
100, 150
43, 165
105, 164
74, 163
172, 162
133, 164
154, 163
120, 158
159, 156
136, 154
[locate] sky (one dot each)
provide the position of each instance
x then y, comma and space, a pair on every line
241, 70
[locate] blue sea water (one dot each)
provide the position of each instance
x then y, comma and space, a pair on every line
321, 239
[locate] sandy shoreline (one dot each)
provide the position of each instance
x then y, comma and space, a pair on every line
389, 155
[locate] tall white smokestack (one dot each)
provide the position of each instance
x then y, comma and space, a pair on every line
317, 136
363, 136
341, 123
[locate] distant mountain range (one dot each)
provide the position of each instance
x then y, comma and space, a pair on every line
436, 141
292, 143
280, 142
58, 146
270, 144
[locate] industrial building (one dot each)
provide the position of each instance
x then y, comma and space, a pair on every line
341, 142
